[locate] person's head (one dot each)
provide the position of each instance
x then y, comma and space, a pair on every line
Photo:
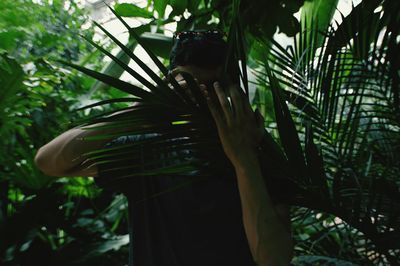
200, 53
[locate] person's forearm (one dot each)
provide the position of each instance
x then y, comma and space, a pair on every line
240, 131
269, 240
63, 156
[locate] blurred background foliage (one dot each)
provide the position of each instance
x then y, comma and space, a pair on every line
69, 221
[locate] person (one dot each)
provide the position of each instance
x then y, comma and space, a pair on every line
221, 220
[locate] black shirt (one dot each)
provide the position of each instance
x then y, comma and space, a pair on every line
182, 220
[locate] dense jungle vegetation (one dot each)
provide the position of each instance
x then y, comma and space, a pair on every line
329, 92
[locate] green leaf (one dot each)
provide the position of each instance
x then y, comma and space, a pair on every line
125, 66
158, 63
157, 43
193, 5
8, 39
354, 23
315, 20
315, 165
166, 91
11, 77
159, 6
117, 100
131, 10
116, 83
178, 6
81, 187
112, 68
287, 130
319, 12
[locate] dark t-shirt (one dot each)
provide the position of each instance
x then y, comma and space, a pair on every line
182, 220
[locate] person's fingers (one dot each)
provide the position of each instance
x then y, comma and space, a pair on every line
224, 102
246, 106
183, 83
260, 119
211, 105
196, 81
176, 71
245, 103
237, 100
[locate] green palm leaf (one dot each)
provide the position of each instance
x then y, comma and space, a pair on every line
346, 92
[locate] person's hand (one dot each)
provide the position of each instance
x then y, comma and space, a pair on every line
183, 84
240, 129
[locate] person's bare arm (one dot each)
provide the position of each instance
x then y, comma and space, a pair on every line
63, 156
267, 226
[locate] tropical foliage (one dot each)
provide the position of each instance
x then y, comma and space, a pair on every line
330, 99
342, 87
44, 221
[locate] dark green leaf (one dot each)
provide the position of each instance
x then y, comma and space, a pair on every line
178, 6
131, 10
159, 6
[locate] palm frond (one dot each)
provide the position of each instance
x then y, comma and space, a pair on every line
346, 92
